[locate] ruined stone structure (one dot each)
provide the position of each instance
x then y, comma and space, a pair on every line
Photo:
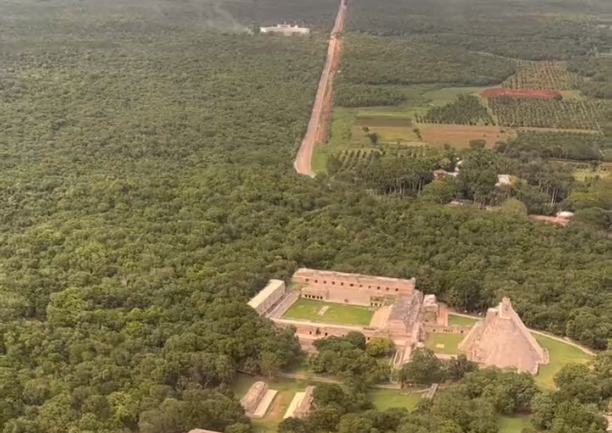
268, 297
503, 340
398, 316
354, 289
301, 403
304, 407
253, 397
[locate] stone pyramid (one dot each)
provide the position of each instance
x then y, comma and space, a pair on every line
503, 340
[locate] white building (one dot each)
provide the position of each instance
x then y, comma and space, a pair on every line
286, 29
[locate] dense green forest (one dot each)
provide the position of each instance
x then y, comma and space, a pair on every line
543, 30
148, 193
471, 401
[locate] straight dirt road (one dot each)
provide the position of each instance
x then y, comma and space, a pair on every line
322, 104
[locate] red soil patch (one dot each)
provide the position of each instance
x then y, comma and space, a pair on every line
522, 93
462, 135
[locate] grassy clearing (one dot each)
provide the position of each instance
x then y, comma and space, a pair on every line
560, 355
286, 390
454, 320
446, 95
444, 343
387, 398
584, 174
308, 309
513, 424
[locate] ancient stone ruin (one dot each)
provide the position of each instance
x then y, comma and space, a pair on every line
258, 399
503, 340
301, 403
253, 397
398, 307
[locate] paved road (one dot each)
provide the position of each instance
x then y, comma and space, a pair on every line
303, 160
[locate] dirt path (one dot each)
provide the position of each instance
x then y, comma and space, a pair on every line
321, 109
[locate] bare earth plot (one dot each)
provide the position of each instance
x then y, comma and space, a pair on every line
307, 309
460, 136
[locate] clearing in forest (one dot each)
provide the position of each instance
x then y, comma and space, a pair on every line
513, 424
384, 399
460, 136
308, 309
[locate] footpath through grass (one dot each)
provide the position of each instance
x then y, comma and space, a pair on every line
328, 312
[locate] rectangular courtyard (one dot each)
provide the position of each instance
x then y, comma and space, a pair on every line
328, 312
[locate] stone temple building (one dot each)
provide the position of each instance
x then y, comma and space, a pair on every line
503, 340
398, 306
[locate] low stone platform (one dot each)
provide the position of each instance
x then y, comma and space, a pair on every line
265, 403
297, 399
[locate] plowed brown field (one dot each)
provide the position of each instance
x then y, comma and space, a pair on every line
461, 136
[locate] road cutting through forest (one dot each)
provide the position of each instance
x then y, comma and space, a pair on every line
321, 110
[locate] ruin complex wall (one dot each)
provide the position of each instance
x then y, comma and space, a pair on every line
254, 396
354, 289
304, 407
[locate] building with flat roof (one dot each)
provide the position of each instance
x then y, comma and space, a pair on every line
286, 29
397, 306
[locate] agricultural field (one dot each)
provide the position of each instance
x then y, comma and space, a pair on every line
465, 110
520, 93
328, 312
545, 75
460, 136
547, 113
447, 95
444, 343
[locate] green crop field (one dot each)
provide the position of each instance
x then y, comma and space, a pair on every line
387, 398
446, 95
308, 309
444, 343
454, 320
560, 354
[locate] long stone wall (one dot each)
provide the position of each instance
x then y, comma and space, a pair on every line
353, 289
270, 295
